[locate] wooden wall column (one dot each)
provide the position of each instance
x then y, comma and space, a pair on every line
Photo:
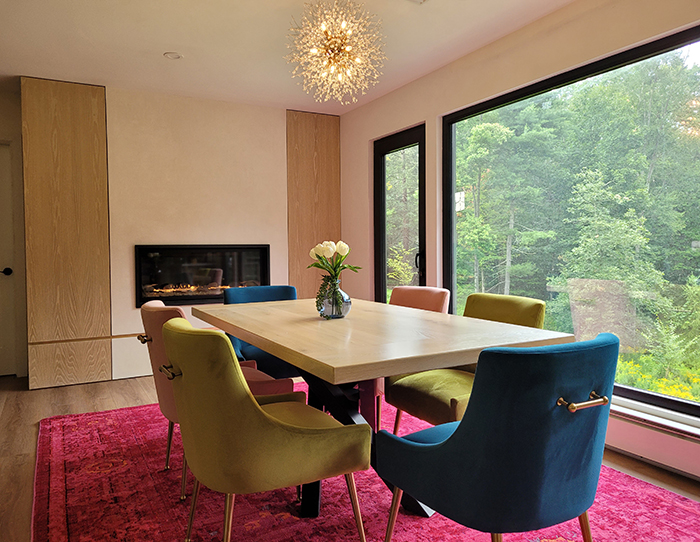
66, 211
313, 192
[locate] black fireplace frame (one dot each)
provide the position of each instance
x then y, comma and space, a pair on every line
141, 250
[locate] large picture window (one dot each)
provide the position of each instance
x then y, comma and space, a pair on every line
584, 191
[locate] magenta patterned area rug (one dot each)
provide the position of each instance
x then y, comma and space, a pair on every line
100, 477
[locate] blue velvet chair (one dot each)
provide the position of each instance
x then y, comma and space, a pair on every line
527, 453
266, 362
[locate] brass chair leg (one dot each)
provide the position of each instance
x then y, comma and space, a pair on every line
171, 426
352, 490
183, 484
379, 412
393, 512
195, 494
397, 421
585, 527
496, 537
228, 516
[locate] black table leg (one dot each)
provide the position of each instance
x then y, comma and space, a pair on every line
340, 401
415, 507
311, 492
310, 500
343, 404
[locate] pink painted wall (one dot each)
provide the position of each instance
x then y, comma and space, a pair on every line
190, 171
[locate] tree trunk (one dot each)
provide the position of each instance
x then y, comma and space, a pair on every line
509, 251
477, 204
476, 273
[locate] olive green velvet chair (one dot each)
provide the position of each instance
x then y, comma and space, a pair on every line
153, 315
237, 445
441, 395
427, 298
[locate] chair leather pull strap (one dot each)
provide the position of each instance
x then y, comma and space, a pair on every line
166, 370
594, 400
144, 338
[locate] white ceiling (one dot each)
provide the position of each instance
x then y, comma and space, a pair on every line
233, 50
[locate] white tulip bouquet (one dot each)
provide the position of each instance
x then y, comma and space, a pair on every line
330, 257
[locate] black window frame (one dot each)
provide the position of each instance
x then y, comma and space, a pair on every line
615, 61
392, 143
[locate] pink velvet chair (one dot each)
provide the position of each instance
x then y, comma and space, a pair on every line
427, 298
154, 314
421, 297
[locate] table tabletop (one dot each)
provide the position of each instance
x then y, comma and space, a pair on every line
374, 340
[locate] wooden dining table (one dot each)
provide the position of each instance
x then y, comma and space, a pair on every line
373, 341
345, 360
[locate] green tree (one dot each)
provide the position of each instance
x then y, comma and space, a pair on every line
399, 272
479, 151
596, 180
612, 240
401, 169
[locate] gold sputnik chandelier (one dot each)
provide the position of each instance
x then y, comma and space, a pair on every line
337, 50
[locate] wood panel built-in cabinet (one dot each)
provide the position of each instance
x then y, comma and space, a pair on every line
66, 232
313, 192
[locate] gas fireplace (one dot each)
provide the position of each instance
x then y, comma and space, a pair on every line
196, 274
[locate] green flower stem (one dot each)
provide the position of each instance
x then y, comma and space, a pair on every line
329, 289
330, 283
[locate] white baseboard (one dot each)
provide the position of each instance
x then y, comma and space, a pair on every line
669, 443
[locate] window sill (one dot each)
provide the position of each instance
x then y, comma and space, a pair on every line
659, 419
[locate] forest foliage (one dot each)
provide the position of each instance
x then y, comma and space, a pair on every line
588, 197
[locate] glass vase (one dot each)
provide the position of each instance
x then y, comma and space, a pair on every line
335, 304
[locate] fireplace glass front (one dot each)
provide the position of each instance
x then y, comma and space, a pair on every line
196, 274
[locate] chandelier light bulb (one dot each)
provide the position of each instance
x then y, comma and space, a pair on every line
322, 44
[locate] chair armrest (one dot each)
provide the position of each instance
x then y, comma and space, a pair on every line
398, 459
248, 363
274, 386
297, 396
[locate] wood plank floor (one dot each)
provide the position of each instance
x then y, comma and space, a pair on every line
20, 413
21, 410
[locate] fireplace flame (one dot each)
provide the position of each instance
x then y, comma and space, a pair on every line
154, 290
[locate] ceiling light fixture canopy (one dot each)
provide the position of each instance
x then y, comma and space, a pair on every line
337, 50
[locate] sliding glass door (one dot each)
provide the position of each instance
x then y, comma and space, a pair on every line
399, 211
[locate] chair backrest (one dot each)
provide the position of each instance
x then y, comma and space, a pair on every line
526, 462
153, 315
218, 414
256, 294
421, 297
233, 445
509, 309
